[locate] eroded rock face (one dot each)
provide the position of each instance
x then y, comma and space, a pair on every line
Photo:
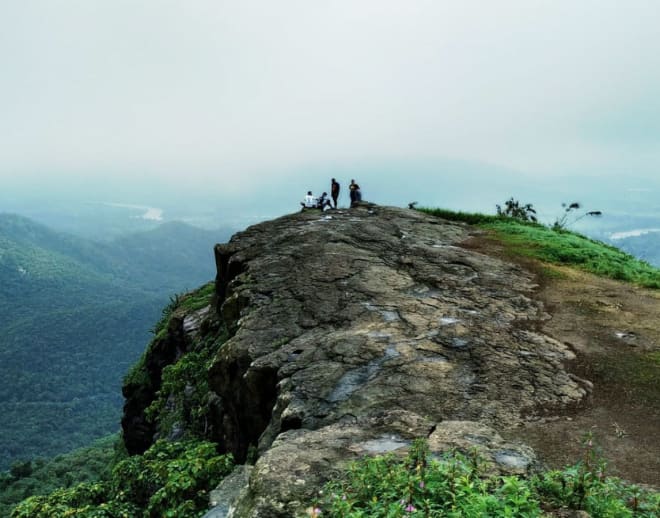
359, 330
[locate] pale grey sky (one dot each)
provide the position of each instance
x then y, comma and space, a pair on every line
234, 92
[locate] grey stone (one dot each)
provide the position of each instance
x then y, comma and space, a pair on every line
224, 497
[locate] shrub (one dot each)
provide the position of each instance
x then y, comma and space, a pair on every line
570, 209
514, 209
170, 479
420, 486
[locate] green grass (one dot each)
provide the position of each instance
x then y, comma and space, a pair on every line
198, 299
560, 247
473, 218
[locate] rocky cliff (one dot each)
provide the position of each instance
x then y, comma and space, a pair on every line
353, 332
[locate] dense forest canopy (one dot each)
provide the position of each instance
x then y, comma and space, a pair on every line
76, 315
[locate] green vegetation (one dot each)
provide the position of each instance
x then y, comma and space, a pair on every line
559, 247
472, 218
456, 486
184, 393
170, 479
198, 299
75, 315
39, 477
571, 215
514, 209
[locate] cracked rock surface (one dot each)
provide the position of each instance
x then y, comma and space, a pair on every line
357, 331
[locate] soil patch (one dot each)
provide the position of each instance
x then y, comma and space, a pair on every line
614, 330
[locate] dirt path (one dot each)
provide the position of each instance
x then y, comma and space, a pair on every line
614, 330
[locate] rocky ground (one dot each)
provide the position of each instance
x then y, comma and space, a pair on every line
359, 330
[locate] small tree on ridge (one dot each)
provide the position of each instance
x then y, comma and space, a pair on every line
570, 209
513, 209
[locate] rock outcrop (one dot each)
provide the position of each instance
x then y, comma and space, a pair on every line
348, 333
355, 331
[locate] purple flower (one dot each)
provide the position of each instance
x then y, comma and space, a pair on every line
410, 508
421, 484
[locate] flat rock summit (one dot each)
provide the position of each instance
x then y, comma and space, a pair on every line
353, 332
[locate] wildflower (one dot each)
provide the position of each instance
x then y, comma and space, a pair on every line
410, 508
421, 484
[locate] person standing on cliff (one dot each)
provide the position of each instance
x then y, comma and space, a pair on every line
355, 193
334, 191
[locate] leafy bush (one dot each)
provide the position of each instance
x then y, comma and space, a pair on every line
585, 486
514, 209
182, 397
421, 486
170, 479
454, 486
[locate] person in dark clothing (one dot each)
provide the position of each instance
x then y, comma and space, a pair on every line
322, 202
334, 191
355, 193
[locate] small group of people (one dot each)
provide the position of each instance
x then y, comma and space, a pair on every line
321, 202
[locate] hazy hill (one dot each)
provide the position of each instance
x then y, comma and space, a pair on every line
645, 246
75, 315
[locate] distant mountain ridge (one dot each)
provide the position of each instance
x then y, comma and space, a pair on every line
75, 314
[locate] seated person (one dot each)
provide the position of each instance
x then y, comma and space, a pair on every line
323, 202
310, 201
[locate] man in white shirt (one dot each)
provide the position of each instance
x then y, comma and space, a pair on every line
310, 201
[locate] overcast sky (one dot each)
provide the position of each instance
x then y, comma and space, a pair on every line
233, 93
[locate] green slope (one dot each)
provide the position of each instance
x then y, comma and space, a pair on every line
75, 314
559, 247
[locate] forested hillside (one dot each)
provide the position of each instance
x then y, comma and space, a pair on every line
75, 315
